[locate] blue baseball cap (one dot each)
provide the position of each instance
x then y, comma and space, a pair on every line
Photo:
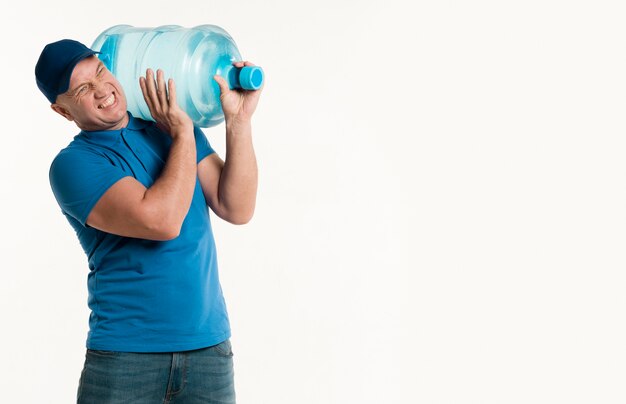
56, 64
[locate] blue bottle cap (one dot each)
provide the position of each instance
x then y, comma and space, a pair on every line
251, 77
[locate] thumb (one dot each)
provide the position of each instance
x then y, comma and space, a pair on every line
224, 89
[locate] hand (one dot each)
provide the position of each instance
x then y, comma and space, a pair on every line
162, 105
238, 105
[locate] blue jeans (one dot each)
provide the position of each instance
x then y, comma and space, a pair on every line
200, 376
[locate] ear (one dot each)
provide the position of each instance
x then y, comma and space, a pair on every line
62, 111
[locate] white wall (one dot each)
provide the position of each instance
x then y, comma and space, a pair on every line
441, 213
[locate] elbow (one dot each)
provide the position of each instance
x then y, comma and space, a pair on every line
169, 230
240, 221
162, 229
160, 223
163, 233
240, 218
169, 233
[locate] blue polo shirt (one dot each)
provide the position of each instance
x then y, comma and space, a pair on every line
144, 295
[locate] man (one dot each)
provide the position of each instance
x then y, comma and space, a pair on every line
136, 193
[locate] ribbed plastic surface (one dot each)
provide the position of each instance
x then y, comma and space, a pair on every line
191, 56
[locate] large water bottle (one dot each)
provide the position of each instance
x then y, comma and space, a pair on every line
191, 56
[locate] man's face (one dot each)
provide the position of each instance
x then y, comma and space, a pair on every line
95, 99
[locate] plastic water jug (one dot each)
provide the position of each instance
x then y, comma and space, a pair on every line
191, 56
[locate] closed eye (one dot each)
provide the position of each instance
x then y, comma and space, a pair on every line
81, 90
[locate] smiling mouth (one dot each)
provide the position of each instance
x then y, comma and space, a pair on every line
108, 102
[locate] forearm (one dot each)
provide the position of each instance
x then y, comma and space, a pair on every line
169, 198
239, 177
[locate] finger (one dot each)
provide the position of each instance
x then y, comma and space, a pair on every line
224, 89
172, 91
152, 93
243, 63
161, 92
144, 91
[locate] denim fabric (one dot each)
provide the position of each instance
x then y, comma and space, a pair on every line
199, 376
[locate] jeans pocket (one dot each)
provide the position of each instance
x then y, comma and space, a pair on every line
224, 348
101, 353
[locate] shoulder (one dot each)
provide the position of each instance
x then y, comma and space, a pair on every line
76, 150
77, 158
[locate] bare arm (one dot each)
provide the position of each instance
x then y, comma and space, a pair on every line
156, 213
230, 186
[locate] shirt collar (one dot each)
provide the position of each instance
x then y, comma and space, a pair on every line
135, 123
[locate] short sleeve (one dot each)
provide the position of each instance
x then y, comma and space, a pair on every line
79, 178
203, 147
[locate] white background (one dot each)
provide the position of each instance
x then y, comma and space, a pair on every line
441, 209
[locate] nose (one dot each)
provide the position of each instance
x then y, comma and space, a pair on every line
99, 89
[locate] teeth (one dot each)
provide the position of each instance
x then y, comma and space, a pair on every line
107, 102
